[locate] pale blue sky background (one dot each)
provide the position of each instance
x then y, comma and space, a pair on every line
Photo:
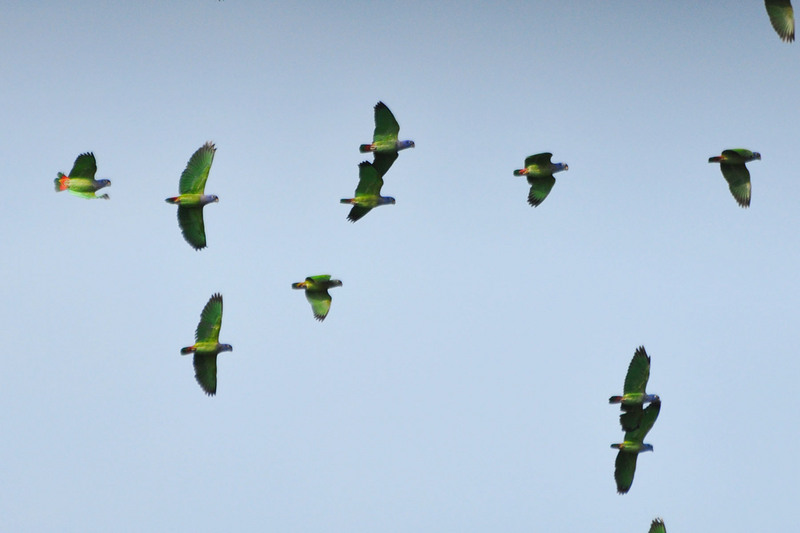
460, 382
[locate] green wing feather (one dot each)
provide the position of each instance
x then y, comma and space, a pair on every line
624, 470
190, 219
638, 372
85, 166
631, 418
658, 526
193, 179
386, 127
738, 178
383, 161
369, 182
539, 159
540, 188
781, 15
741, 155
320, 303
89, 195
358, 212
649, 416
205, 371
210, 322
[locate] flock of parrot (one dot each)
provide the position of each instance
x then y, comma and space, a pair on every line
636, 420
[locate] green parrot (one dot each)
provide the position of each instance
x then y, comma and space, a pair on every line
658, 526
385, 141
732, 163
317, 293
781, 15
207, 345
192, 198
368, 192
634, 396
80, 181
633, 445
540, 172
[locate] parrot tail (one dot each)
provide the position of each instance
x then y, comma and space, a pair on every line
615, 399
62, 182
187, 350
364, 148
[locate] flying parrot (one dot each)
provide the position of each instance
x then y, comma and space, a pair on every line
781, 15
368, 192
633, 445
80, 181
385, 141
634, 397
192, 198
317, 293
539, 171
207, 345
732, 163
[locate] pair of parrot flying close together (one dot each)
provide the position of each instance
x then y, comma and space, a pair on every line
781, 15
80, 181
657, 526
192, 196
732, 163
539, 170
385, 145
207, 345
316, 288
635, 420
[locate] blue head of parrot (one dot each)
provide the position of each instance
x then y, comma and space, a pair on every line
402, 145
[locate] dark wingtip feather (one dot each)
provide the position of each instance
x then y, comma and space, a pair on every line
535, 202
209, 392
641, 350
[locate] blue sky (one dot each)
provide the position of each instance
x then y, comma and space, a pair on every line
460, 382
